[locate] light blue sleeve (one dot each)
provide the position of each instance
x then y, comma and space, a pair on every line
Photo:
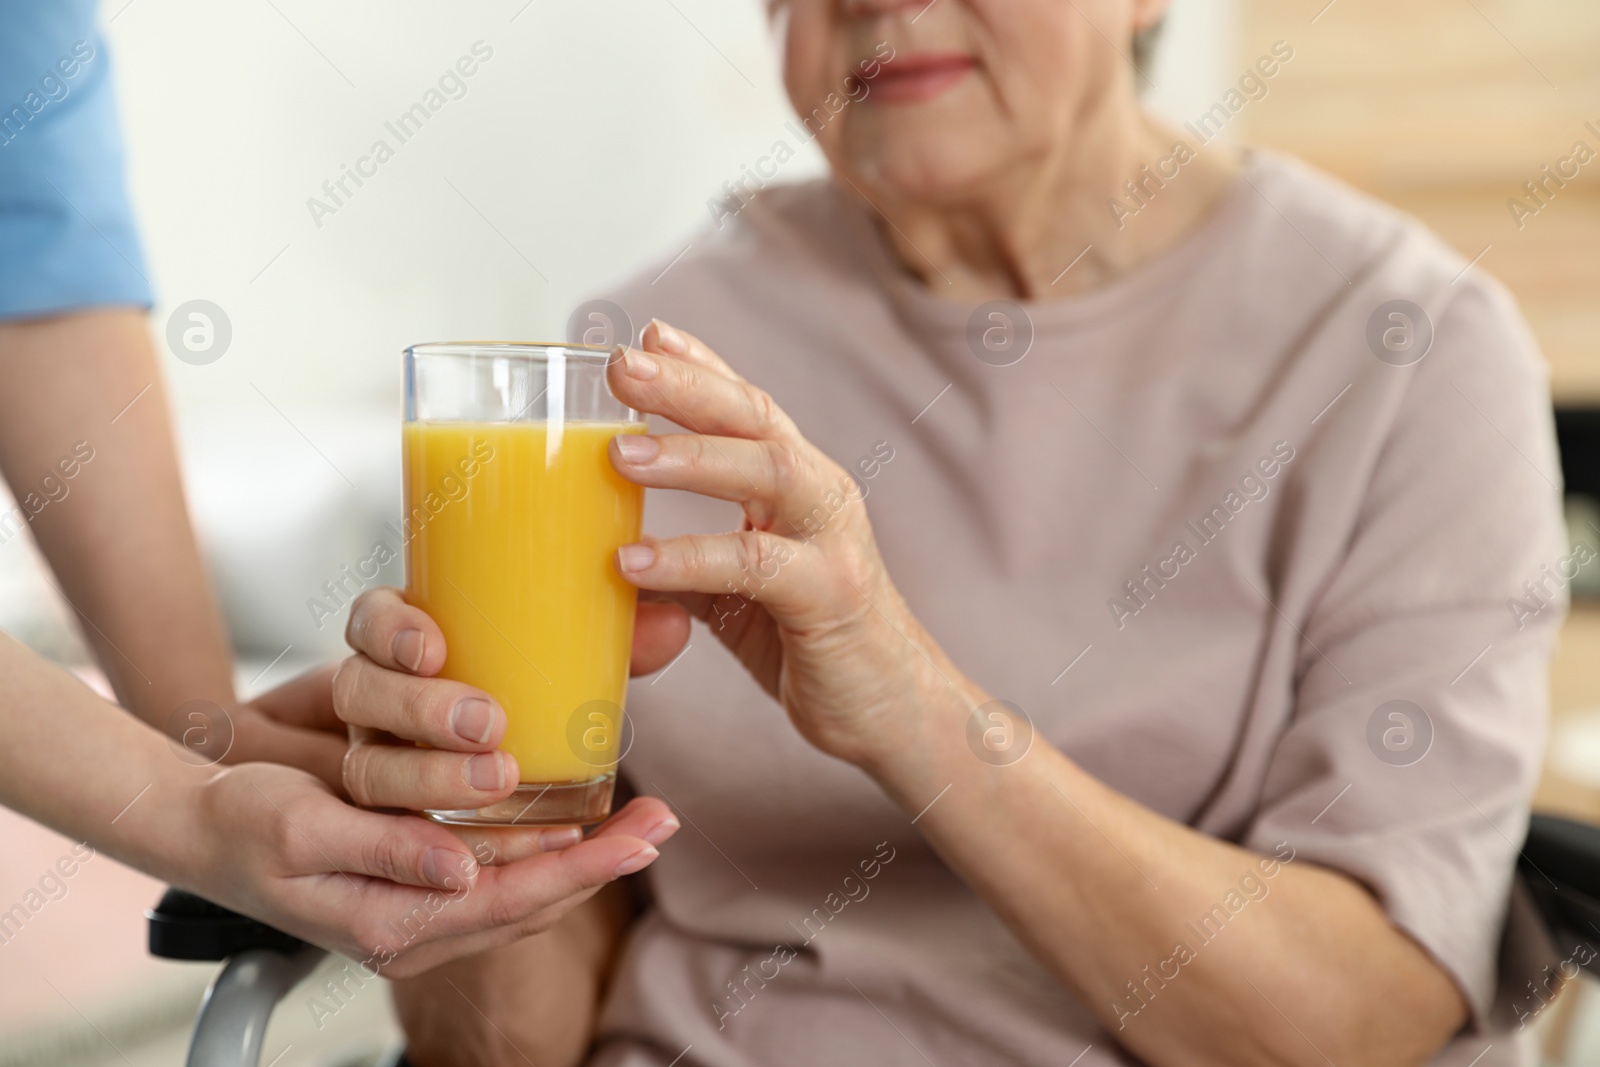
67, 237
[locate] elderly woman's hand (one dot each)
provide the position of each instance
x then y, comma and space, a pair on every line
799, 594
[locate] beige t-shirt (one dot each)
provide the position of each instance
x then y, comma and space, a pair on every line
1199, 532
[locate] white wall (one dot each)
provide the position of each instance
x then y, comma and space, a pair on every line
591, 141
1198, 58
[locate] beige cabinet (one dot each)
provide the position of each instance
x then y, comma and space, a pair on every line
1447, 108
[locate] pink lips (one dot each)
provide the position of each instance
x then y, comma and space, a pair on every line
916, 78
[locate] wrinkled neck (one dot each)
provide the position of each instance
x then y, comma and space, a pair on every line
1067, 221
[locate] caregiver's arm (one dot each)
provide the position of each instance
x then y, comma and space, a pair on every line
1096, 885
395, 892
86, 446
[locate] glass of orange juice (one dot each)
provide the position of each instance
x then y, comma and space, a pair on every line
513, 516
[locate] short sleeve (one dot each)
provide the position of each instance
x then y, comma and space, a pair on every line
1421, 706
67, 236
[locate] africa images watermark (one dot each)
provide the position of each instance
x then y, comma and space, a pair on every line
1553, 979
1250, 889
739, 191
339, 991
55, 85
814, 521
1254, 485
1544, 591
1250, 88
51, 886
351, 580
1539, 192
451, 85
854, 889
53, 488
199, 332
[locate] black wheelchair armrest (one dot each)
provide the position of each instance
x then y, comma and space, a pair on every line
260, 966
186, 927
1560, 866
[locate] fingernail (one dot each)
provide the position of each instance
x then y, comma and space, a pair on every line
638, 365
407, 649
636, 862
445, 869
556, 840
671, 340
485, 772
662, 830
635, 557
637, 448
473, 719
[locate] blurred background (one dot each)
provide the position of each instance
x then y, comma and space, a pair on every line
584, 149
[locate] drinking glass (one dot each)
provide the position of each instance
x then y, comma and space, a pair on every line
513, 515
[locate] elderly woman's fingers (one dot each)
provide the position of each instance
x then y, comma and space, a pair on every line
661, 337
761, 566
697, 398
404, 776
395, 634
660, 630
780, 484
436, 711
697, 605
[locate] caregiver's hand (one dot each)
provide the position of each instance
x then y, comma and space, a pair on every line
800, 594
293, 724
394, 891
275, 843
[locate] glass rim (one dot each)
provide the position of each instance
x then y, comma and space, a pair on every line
532, 351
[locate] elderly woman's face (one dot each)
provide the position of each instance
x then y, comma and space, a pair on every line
925, 99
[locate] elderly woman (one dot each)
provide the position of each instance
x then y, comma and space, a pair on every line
1168, 708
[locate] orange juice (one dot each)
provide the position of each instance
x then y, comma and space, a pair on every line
514, 527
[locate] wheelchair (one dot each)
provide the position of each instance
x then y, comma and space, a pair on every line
1559, 870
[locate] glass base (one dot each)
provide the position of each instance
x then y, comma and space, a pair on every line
541, 804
